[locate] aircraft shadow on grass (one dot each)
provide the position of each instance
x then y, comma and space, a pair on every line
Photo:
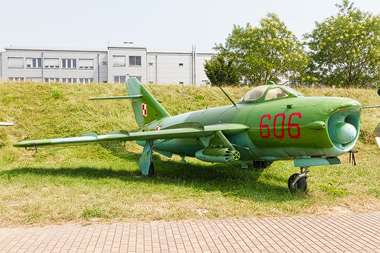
230, 181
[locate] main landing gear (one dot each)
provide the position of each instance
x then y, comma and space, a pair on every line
298, 182
151, 170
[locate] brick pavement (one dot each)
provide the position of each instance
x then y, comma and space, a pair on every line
338, 233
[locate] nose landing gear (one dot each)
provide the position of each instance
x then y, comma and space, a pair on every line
297, 181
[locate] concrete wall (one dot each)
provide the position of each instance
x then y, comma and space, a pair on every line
201, 77
170, 68
177, 68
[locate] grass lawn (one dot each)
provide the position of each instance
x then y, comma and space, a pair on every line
101, 183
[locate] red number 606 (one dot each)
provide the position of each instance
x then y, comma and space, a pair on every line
266, 133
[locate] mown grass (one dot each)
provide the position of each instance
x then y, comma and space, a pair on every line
101, 183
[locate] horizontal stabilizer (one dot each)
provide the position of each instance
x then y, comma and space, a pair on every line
375, 106
6, 124
121, 97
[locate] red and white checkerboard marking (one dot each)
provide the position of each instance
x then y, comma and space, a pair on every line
144, 110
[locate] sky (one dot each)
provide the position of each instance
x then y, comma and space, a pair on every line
159, 25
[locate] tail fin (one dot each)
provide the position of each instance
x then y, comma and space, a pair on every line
145, 107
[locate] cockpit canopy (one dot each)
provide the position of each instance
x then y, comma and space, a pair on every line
268, 92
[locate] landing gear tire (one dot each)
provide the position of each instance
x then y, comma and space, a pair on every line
300, 185
151, 170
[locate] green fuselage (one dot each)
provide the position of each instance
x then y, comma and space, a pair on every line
280, 129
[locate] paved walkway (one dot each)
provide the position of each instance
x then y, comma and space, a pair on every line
339, 233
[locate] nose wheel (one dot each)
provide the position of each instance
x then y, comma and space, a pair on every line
297, 182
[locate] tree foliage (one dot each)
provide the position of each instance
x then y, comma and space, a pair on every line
220, 70
345, 49
263, 53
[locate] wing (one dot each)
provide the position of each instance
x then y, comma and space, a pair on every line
6, 124
184, 130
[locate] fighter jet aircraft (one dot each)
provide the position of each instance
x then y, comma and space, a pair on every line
269, 123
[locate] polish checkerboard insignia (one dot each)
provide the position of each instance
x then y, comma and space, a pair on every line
144, 110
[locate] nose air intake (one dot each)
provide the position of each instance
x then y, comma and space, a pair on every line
343, 128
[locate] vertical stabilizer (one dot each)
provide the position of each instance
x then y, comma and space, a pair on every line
146, 108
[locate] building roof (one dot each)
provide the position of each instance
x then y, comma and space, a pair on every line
124, 46
51, 49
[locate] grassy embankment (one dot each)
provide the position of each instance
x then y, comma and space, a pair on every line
101, 183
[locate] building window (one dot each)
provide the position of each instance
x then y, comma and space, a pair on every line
15, 62
180, 65
16, 79
180, 82
118, 61
86, 63
33, 62
105, 63
137, 77
86, 80
150, 82
51, 80
119, 79
51, 63
34, 79
69, 80
69, 63
150, 64
134, 60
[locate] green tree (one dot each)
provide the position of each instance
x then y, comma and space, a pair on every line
220, 70
345, 49
264, 53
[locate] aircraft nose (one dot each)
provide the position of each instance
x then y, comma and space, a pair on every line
344, 124
343, 133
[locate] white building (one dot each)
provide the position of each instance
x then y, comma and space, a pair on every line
114, 65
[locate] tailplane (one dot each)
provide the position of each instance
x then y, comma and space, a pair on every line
145, 107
